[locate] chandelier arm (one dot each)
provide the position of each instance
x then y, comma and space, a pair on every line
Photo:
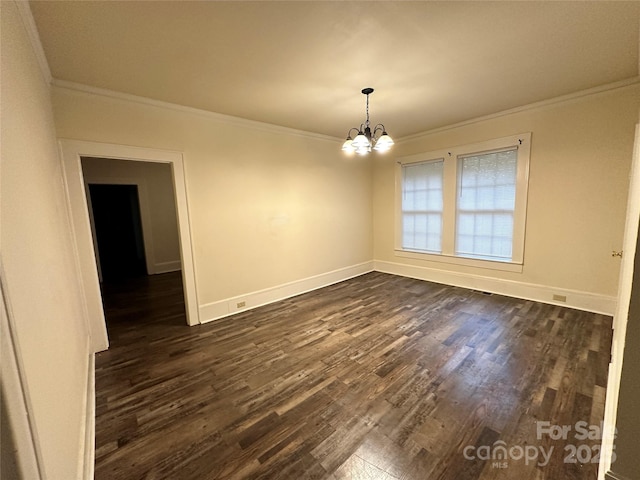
352, 129
379, 128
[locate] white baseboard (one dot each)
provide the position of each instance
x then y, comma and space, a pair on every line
229, 306
540, 293
166, 267
579, 300
88, 455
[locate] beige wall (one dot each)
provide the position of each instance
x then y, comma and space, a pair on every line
160, 205
266, 206
38, 258
580, 160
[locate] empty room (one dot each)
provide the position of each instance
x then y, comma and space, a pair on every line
330, 240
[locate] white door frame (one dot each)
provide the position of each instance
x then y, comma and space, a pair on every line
621, 315
71, 153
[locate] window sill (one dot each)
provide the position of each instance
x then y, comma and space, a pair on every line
468, 262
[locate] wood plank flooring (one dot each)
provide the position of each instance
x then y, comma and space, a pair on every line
378, 377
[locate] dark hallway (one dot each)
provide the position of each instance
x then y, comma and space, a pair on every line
118, 226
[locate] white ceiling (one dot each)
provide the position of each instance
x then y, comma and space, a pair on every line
303, 64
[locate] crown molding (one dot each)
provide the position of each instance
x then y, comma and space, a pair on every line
34, 37
601, 89
216, 117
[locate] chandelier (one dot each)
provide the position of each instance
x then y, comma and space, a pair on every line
364, 141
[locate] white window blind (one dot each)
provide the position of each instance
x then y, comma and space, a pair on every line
422, 206
486, 205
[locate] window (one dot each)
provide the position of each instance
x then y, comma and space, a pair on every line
422, 206
466, 204
486, 204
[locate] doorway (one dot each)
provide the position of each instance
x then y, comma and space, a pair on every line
134, 227
72, 153
118, 231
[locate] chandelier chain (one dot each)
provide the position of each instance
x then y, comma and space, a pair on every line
367, 124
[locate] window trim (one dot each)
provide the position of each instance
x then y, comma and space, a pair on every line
451, 158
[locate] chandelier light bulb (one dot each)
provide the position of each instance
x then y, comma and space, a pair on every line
347, 146
363, 150
361, 141
384, 143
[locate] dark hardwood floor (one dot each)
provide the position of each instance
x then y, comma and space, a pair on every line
378, 377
